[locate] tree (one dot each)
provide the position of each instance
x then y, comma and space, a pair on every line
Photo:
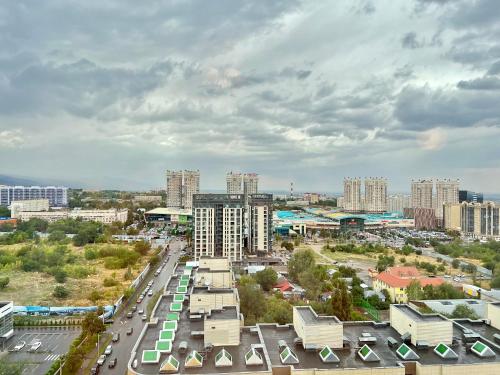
60, 276
252, 300
60, 292
266, 278
57, 235
495, 283
463, 311
310, 282
92, 325
341, 302
278, 311
142, 247
299, 262
455, 263
414, 290
4, 281
384, 262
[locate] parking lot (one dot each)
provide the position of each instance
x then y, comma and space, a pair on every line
55, 341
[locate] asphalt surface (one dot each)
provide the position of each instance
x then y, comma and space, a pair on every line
123, 348
55, 342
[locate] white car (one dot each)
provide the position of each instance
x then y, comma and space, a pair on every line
101, 360
19, 346
109, 350
34, 346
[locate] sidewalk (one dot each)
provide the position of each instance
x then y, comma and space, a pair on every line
91, 358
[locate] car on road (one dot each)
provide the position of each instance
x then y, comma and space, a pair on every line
134, 308
112, 363
130, 331
34, 346
101, 360
19, 346
139, 300
109, 350
116, 337
140, 312
130, 315
94, 370
144, 317
150, 293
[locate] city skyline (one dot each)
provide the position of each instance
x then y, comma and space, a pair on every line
300, 91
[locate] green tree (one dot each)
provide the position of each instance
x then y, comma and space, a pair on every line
495, 283
414, 290
252, 300
455, 263
142, 247
278, 311
60, 275
57, 236
94, 296
299, 262
463, 311
4, 281
60, 292
92, 325
341, 302
4, 211
266, 278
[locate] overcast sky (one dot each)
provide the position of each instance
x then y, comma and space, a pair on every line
110, 94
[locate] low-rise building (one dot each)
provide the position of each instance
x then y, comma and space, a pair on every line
214, 279
6, 320
222, 327
33, 205
396, 279
102, 216
169, 215
493, 314
316, 331
204, 299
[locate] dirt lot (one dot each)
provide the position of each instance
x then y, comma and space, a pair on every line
35, 288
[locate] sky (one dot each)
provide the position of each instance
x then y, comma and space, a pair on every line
111, 94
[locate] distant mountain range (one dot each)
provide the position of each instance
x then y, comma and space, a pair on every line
24, 181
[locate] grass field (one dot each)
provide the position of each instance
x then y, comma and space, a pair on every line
35, 288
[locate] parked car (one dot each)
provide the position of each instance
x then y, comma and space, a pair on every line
130, 315
144, 317
19, 346
150, 293
139, 300
116, 337
140, 312
109, 350
34, 346
134, 308
94, 370
112, 363
130, 331
101, 360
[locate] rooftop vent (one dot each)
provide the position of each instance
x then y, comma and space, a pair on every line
253, 358
367, 354
367, 338
282, 344
482, 350
163, 346
150, 356
471, 337
170, 325
223, 359
328, 356
175, 307
288, 357
422, 345
193, 360
406, 353
445, 352
170, 365
392, 342
406, 337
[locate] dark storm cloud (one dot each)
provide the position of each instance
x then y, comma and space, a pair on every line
409, 40
484, 83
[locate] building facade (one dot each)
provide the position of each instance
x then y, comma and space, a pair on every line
352, 194
28, 205
470, 196
250, 183
446, 192
375, 194
260, 215
422, 194
181, 186
398, 202
56, 195
233, 183
102, 216
6, 320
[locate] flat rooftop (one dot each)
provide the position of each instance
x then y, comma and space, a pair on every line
310, 317
417, 316
208, 290
228, 312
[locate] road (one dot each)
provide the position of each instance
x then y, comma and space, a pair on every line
123, 348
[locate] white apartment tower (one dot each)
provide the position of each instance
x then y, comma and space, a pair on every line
352, 194
191, 185
398, 202
421, 194
174, 189
250, 183
181, 185
233, 182
446, 192
375, 194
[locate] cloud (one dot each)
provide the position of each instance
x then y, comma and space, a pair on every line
11, 138
409, 40
484, 83
432, 139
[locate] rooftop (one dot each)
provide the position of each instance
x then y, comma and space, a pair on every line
417, 316
310, 317
169, 211
209, 290
228, 312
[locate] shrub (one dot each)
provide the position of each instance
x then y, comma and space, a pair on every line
90, 253
60, 292
109, 282
60, 276
4, 281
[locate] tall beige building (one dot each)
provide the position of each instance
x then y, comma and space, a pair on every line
181, 185
191, 185
233, 182
446, 192
421, 194
250, 183
398, 202
352, 194
375, 194
174, 189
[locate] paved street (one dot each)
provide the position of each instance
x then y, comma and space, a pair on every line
55, 342
123, 348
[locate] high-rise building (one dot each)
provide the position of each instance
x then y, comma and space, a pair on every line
174, 189
57, 195
375, 194
446, 192
250, 183
421, 194
218, 225
181, 185
478, 220
233, 182
398, 202
260, 207
352, 194
190, 186
470, 196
